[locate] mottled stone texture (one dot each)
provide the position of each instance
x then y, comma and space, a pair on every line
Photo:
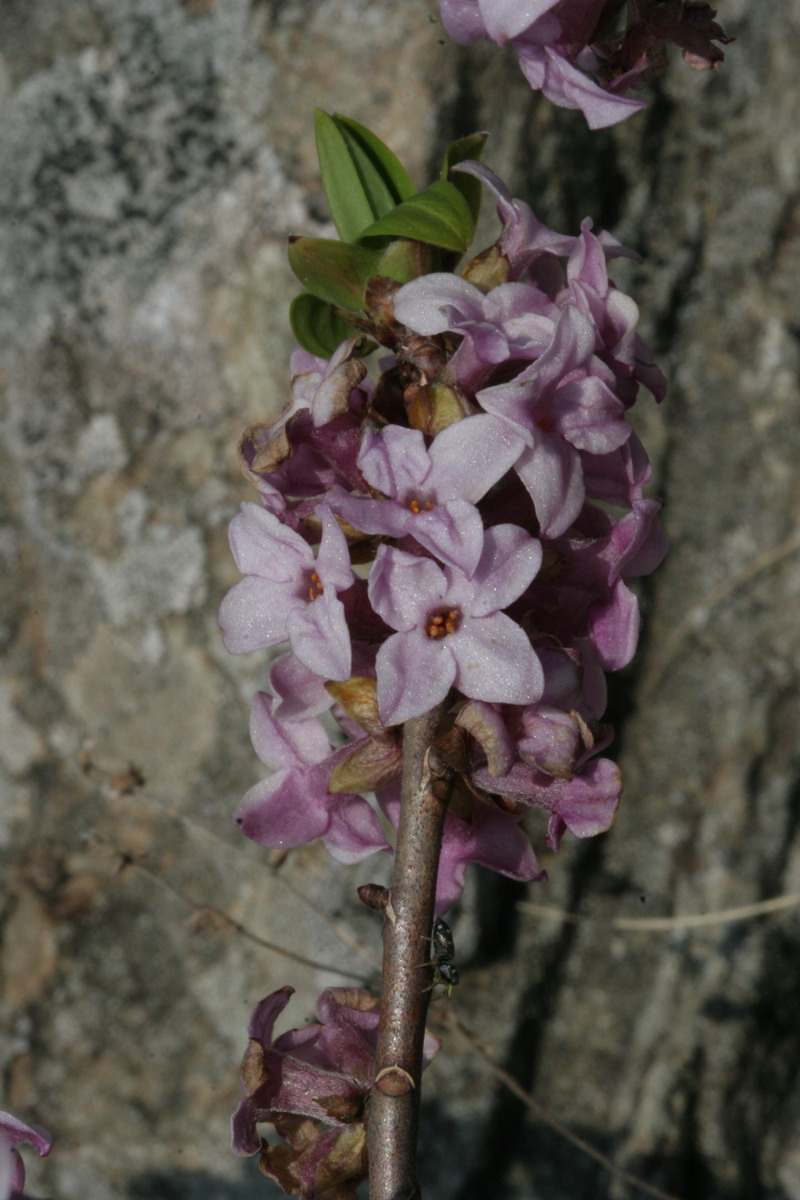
155, 154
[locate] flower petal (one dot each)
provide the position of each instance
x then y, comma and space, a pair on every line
436, 302
333, 556
284, 810
414, 674
453, 532
551, 472
394, 461
564, 85
495, 661
263, 545
510, 561
320, 638
507, 19
404, 588
282, 743
253, 614
615, 624
471, 455
493, 839
355, 831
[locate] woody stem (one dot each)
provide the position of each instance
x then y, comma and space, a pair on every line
394, 1099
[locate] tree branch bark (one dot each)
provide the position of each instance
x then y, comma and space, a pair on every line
407, 976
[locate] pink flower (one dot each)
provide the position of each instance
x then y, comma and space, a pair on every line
513, 321
525, 239
560, 404
312, 1085
614, 316
551, 40
431, 492
293, 806
586, 804
490, 837
287, 592
12, 1168
451, 632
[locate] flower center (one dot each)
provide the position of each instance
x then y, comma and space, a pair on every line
315, 588
442, 623
418, 506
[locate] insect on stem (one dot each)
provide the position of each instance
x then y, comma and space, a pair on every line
444, 951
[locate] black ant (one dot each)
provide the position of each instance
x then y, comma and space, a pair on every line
443, 954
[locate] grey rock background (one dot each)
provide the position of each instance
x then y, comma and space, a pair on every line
155, 155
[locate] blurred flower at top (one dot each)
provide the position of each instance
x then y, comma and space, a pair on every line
581, 55
12, 1169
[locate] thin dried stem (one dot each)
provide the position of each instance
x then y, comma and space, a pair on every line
394, 1099
585, 1147
742, 912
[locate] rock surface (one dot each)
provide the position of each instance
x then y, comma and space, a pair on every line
155, 156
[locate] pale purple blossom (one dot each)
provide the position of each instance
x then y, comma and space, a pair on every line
618, 478
312, 1085
489, 837
614, 316
524, 239
583, 592
12, 1168
551, 41
451, 630
586, 803
560, 404
314, 443
314, 1101
543, 756
323, 386
431, 492
513, 322
293, 806
301, 1071
288, 593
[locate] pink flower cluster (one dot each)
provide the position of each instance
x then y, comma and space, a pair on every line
552, 39
311, 1084
460, 531
580, 54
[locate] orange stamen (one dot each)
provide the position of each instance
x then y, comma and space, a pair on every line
316, 588
443, 623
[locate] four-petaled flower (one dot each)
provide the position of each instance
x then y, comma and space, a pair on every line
287, 593
551, 38
431, 491
293, 806
451, 631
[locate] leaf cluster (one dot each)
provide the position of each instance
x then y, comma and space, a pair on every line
387, 228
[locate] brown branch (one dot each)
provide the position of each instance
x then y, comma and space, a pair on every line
394, 1099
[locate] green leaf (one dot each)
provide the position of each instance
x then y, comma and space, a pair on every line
361, 176
439, 216
465, 149
334, 271
317, 327
404, 260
